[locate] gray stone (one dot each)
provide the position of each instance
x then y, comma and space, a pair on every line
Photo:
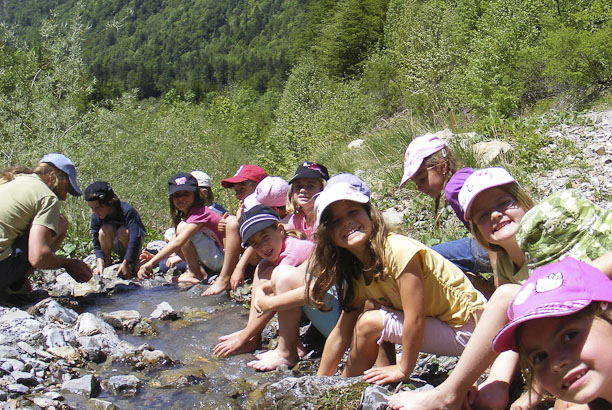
490, 150
122, 319
9, 352
124, 385
11, 365
87, 386
55, 338
55, 311
99, 404
17, 388
153, 357
374, 397
53, 395
27, 348
356, 143
24, 378
392, 217
164, 311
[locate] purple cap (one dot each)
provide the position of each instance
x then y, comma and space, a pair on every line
479, 181
420, 148
557, 289
64, 164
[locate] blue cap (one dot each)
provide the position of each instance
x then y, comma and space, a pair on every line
64, 164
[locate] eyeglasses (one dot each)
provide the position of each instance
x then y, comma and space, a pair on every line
503, 205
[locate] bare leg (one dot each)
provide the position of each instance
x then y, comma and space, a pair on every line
233, 250
493, 393
194, 272
364, 347
475, 359
106, 236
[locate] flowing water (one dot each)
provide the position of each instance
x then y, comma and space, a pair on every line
200, 380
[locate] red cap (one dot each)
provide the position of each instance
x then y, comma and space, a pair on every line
245, 173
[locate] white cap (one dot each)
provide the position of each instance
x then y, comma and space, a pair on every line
479, 181
202, 177
420, 148
337, 192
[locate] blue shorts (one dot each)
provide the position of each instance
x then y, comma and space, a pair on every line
325, 321
14, 269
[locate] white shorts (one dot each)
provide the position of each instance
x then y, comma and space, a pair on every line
208, 252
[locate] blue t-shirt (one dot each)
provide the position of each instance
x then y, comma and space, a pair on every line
217, 208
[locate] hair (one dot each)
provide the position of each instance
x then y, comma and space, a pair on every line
524, 201
210, 196
443, 156
176, 215
594, 310
292, 205
112, 200
330, 264
42, 169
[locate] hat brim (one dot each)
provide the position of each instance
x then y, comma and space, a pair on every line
409, 172
254, 228
307, 173
506, 338
468, 207
325, 198
74, 188
176, 188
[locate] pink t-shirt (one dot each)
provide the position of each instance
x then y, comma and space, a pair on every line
297, 221
295, 251
208, 221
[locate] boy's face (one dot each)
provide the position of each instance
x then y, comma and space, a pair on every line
101, 210
569, 356
268, 243
244, 189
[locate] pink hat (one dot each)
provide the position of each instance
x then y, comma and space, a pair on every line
557, 289
245, 173
420, 148
272, 191
479, 181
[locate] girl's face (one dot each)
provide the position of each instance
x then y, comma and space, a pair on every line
570, 357
244, 189
100, 209
497, 215
304, 189
350, 226
430, 180
268, 243
183, 200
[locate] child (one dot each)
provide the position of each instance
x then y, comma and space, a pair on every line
431, 165
115, 226
31, 226
496, 208
411, 294
243, 183
309, 179
197, 236
561, 326
205, 188
280, 253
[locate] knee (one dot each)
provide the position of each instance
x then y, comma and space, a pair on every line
106, 233
285, 278
369, 324
504, 294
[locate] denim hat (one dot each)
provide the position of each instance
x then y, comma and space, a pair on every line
352, 180
182, 182
254, 220
202, 177
99, 190
337, 192
64, 164
420, 148
479, 181
246, 172
557, 289
310, 170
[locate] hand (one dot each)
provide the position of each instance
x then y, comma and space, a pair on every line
125, 270
383, 375
144, 271
237, 278
145, 256
78, 270
261, 300
173, 261
222, 224
525, 402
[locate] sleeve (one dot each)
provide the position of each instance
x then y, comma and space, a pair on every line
400, 252
451, 191
48, 213
95, 228
201, 215
132, 221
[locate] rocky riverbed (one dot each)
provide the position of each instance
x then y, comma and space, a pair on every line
112, 343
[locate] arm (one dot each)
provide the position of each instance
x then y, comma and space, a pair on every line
135, 235
410, 284
604, 264
285, 301
337, 343
175, 244
41, 256
237, 278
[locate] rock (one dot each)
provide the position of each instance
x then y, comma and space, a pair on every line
374, 397
155, 246
26, 347
356, 143
54, 396
10, 365
124, 385
491, 150
17, 388
122, 319
55, 337
392, 217
87, 386
24, 378
68, 353
151, 358
98, 404
55, 311
164, 311
89, 325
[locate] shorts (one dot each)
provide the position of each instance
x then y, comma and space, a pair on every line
325, 321
208, 252
14, 269
439, 337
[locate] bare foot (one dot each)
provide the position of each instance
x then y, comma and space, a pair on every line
271, 360
219, 286
234, 345
428, 400
189, 277
226, 337
301, 351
